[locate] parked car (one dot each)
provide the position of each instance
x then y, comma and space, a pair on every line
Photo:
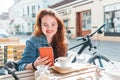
3, 33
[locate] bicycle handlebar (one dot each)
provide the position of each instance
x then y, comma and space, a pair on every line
82, 38
87, 40
97, 30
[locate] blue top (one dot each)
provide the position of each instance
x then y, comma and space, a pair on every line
31, 50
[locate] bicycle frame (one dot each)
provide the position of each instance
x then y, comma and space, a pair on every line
87, 42
84, 45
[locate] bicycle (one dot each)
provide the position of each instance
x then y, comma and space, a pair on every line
88, 42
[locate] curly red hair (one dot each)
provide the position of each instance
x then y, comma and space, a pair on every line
58, 42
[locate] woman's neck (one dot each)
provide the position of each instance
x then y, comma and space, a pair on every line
49, 39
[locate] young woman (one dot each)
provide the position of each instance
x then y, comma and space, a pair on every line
48, 31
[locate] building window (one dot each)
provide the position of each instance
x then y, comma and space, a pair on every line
33, 11
66, 23
23, 12
86, 20
38, 7
28, 9
112, 20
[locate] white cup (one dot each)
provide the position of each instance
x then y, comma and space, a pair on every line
63, 61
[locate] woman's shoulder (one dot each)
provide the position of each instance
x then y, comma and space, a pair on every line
34, 38
38, 39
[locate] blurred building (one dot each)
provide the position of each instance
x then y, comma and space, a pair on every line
83, 17
22, 14
4, 22
16, 1
52, 2
4, 16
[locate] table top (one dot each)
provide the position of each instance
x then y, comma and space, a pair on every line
86, 72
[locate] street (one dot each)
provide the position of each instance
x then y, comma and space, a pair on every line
110, 49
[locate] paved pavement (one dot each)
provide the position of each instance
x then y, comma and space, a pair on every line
107, 48
108, 38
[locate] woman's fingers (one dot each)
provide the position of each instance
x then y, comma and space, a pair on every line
44, 61
47, 61
49, 64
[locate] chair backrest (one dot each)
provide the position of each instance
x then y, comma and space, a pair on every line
10, 52
9, 40
1, 56
17, 52
14, 51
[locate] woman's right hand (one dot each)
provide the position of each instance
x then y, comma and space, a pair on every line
42, 61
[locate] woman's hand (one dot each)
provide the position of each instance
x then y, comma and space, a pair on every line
42, 61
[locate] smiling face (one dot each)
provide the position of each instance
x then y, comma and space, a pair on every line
49, 26
49, 23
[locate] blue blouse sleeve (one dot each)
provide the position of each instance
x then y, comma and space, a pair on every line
29, 55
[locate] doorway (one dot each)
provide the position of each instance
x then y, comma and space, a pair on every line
83, 23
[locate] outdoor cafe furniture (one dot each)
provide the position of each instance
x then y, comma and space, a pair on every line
10, 52
3, 50
87, 72
9, 40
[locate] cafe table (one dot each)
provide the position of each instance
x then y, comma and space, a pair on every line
81, 72
77, 72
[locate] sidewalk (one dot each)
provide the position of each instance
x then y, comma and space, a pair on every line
108, 38
104, 38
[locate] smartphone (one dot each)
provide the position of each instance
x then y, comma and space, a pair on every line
47, 52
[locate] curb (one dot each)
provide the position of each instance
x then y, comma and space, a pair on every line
107, 38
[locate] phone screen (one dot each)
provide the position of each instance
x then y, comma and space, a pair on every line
47, 52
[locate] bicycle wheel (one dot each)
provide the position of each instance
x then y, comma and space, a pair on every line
99, 60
